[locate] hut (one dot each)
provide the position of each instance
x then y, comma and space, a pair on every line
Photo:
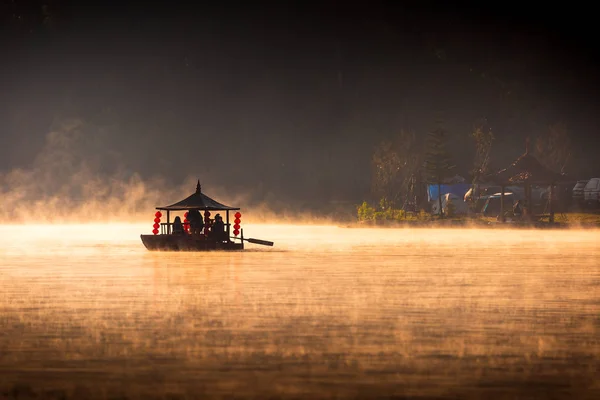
525, 171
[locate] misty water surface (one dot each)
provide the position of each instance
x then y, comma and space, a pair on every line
88, 312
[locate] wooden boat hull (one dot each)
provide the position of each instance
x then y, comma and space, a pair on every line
186, 243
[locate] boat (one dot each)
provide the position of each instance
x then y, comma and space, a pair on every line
174, 236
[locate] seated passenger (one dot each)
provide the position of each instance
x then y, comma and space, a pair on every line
218, 229
196, 222
178, 227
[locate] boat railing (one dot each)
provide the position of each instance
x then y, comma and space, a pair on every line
167, 227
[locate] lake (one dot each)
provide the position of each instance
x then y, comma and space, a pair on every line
328, 312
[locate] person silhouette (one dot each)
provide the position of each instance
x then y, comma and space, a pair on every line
218, 229
178, 226
196, 222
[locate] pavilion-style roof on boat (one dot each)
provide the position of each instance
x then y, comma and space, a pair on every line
197, 201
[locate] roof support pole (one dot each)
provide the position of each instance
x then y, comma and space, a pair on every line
227, 216
168, 222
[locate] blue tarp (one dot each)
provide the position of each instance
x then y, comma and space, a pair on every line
458, 189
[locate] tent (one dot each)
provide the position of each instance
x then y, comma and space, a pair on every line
458, 189
460, 207
492, 207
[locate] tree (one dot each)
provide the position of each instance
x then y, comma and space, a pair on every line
438, 162
553, 149
483, 146
386, 164
395, 165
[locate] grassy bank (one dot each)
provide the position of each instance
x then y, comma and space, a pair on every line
368, 216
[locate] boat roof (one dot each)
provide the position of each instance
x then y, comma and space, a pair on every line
197, 201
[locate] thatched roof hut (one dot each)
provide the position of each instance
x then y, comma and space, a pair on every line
527, 171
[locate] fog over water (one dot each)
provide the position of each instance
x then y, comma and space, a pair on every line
87, 312
78, 178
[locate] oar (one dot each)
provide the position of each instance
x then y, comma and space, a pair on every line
257, 241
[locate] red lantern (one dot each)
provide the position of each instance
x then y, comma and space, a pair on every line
156, 222
237, 221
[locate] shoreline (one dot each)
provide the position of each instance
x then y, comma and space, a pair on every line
469, 224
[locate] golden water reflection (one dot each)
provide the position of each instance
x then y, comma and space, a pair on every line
87, 312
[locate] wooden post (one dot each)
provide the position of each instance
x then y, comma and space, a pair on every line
440, 198
551, 203
502, 217
528, 205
